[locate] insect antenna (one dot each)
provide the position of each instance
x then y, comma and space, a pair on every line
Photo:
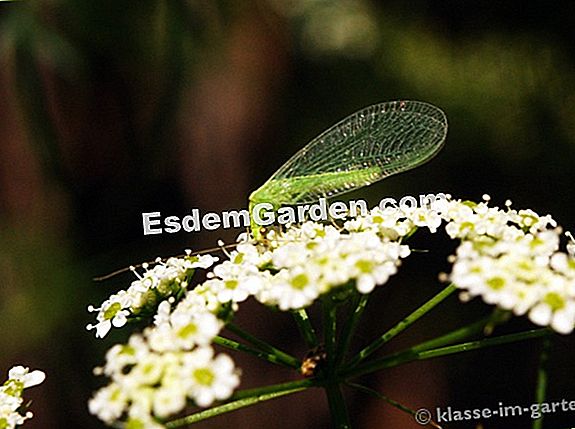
158, 260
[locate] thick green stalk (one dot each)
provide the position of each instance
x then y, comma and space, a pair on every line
541, 390
414, 354
242, 400
282, 356
403, 325
337, 407
305, 328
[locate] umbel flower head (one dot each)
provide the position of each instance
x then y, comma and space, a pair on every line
165, 280
511, 259
11, 400
169, 364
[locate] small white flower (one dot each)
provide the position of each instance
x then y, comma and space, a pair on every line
424, 217
295, 288
570, 245
203, 261
27, 378
11, 400
211, 378
163, 314
108, 403
168, 400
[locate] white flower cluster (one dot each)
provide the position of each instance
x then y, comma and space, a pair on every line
511, 259
291, 269
171, 362
313, 259
164, 280
11, 401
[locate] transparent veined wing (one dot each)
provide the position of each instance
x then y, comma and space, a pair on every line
365, 147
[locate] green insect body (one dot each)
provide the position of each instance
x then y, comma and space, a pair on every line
367, 146
292, 191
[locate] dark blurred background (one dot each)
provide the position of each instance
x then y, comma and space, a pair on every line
113, 108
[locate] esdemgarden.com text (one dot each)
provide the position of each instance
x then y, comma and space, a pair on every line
264, 214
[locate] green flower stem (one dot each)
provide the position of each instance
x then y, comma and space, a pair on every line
411, 355
234, 345
403, 325
284, 357
244, 399
390, 401
484, 343
329, 331
305, 328
541, 390
360, 302
458, 334
337, 406
409, 234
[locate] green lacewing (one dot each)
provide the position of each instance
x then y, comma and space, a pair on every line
365, 147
